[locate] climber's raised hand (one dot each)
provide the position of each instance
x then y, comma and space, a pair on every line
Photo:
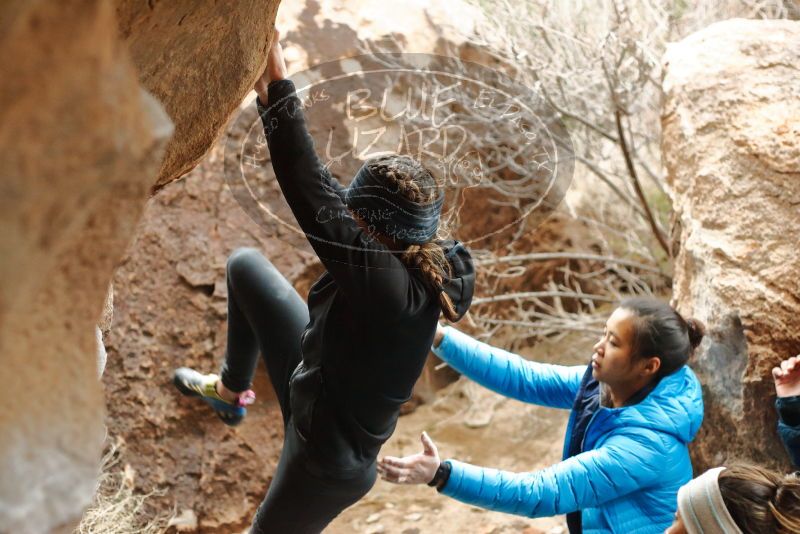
787, 377
276, 67
415, 469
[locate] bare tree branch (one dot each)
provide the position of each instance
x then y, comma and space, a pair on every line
542, 256
635, 179
541, 294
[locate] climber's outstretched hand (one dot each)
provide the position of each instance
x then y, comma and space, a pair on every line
276, 67
415, 469
787, 377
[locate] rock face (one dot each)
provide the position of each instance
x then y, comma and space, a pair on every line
731, 144
199, 59
81, 145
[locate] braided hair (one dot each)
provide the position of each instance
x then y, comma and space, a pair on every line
415, 183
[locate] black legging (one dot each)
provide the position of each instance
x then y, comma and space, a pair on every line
266, 314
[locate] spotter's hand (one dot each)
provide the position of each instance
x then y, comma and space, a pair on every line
415, 469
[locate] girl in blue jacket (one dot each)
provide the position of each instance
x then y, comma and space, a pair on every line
634, 410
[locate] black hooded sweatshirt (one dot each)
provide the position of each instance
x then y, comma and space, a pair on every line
372, 319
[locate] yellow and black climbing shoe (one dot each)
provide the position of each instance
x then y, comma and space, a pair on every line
193, 384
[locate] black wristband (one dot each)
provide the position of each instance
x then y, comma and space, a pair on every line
441, 477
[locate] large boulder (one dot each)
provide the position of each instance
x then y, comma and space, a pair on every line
81, 146
731, 145
199, 59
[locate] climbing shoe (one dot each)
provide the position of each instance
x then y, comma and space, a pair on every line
193, 384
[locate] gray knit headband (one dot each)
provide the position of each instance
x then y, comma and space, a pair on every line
378, 202
701, 506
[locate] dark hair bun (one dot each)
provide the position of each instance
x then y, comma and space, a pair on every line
696, 332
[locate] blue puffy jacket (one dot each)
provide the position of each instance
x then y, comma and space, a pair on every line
635, 458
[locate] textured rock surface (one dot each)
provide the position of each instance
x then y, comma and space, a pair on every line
81, 146
731, 145
199, 59
102, 329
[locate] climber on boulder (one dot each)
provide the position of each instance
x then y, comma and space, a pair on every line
343, 364
635, 408
787, 387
